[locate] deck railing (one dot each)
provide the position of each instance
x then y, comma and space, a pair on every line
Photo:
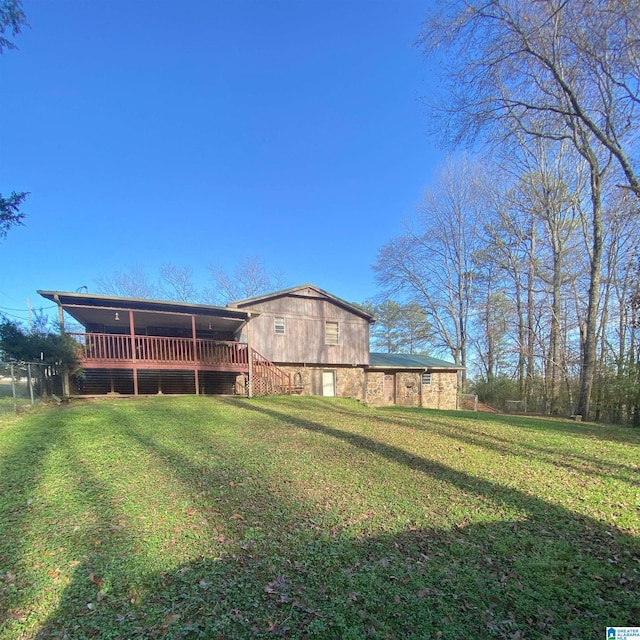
103, 346
219, 352
109, 347
267, 377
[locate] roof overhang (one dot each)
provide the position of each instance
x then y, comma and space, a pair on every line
89, 309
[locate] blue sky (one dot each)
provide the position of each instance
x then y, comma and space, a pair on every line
150, 131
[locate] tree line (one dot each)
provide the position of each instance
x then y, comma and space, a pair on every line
500, 262
530, 261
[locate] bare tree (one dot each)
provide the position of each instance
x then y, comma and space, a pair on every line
551, 190
248, 279
506, 62
493, 315
509, 239
176, 283
432, 263
621, 232
134, 283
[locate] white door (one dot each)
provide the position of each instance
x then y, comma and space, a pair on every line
328, 383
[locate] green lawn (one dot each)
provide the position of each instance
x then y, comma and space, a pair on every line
313, 518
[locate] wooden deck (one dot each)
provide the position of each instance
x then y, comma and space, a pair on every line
139, 352
108, 350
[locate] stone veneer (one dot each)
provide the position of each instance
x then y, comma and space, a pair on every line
442, 393
375, 388
350, 381
355, 382
408, 385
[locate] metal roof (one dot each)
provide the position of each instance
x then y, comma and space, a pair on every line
90, 309
408, 361
141, 304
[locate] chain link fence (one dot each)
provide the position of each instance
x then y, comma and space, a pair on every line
25, 384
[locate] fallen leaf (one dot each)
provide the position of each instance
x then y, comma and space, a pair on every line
169, 619
96, 580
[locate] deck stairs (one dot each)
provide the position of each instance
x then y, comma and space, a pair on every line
268, 379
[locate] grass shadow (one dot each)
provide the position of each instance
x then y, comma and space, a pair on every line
570, 459
25, 450
603, 432
268, 563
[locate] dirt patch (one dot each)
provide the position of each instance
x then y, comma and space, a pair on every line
468, 405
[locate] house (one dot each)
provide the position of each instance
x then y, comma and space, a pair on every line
321, 341
301, 340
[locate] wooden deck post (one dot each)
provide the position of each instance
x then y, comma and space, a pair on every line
249, 358
65, 371
132, 333
195, 354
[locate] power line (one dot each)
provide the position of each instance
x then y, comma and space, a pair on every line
11, 315
53, 306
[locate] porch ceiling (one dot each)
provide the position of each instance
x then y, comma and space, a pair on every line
103, 310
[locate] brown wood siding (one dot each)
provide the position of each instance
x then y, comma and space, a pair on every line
304, 337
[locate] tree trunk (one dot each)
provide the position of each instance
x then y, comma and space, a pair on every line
531, 313
588, 365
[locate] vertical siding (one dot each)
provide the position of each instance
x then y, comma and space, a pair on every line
303, 340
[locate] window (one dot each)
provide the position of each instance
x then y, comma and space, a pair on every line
331, 335
278, 325
426, 378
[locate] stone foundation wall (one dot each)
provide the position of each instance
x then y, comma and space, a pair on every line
408, 388
350, 382
375, 388
355, 382
300, 379
307, 381
442, 393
